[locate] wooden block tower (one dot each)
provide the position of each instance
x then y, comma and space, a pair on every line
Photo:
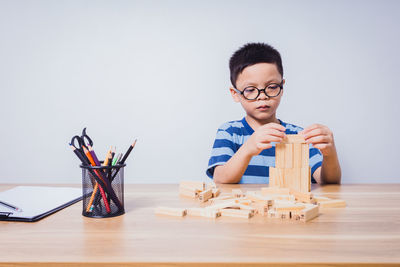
292, 168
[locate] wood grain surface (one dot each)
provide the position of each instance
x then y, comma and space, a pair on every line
366, 232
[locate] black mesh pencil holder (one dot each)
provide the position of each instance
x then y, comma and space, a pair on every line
103, 191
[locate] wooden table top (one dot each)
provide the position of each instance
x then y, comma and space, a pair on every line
367, 231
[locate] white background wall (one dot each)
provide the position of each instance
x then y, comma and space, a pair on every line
158, 70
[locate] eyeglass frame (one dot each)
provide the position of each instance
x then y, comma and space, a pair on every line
260, 90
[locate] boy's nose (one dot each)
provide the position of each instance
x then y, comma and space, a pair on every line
263, 95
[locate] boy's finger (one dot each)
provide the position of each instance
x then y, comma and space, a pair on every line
263, 146
312, 133
271, 138
274, 132
309, 128
317, 140
276, 126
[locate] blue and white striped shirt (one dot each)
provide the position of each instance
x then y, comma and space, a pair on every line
232, 135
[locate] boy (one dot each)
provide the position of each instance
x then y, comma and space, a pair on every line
244, 150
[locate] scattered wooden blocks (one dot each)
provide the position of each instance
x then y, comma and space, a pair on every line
273, 202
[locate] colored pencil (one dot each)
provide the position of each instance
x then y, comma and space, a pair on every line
96, 187
128, 152
103, 195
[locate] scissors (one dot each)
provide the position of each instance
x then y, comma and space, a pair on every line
84, 141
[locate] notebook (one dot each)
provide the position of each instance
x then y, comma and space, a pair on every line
32, 203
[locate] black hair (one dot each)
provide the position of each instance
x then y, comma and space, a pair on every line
250, 54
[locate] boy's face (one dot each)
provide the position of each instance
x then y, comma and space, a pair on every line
260, 75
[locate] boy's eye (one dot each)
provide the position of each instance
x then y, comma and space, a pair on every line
249, 90
273, 86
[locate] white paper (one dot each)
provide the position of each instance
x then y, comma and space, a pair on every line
36, 200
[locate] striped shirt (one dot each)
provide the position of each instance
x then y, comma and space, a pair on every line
232, 135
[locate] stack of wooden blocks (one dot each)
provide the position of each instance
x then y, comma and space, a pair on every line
292, 168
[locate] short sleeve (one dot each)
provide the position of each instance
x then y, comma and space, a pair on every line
315, 160
223, 149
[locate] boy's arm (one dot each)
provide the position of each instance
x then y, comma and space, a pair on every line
233, 170
321, 137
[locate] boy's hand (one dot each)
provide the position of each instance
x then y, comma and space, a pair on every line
320, 137
261, 138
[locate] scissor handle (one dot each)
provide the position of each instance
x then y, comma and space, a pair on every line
79, 140
85, 139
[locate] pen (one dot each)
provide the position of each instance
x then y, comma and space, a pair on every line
10, 206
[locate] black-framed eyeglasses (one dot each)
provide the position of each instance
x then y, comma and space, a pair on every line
252, 92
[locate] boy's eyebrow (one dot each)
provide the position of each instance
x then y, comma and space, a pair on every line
267, 82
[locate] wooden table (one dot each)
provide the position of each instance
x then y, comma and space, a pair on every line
367, 231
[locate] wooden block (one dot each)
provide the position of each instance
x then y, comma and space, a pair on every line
272, 214
278, 214
237, 193
280, 156
289, 207
283, 197
220, 199
306, 214
257, 197
284, 214
244, 201
215, 192
297, 155
247, 207
292, 178
288, 155
205, 195
262, 208
203, 212
305, 180
195, 185
185, 192
335, 203
179, 212
272, 177
304, 197
230, 203
274, 190
320, 199
211, 185
237, 213
280, 173
293, 139
305, 155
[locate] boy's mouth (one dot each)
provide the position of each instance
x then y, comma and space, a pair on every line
263, 107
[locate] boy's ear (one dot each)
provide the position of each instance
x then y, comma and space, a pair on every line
234, 94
